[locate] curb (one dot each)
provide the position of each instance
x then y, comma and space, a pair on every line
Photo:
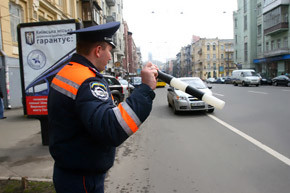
29, 179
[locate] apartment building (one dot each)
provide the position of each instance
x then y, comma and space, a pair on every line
261, 29
212, 57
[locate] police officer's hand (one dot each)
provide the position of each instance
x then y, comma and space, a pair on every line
149, 75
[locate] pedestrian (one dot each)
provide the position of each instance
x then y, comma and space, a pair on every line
1, 104
85, 125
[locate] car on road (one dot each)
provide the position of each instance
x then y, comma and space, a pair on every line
245, 77
116, 88
181, 101
210, 80
281, 80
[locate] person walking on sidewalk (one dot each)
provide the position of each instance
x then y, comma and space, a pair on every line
85, 125
1, 104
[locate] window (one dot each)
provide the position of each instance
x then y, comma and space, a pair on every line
245, 6
15, 19
259, 49
222, 56
214, 56
236, 22
236, 39
245, 23
272, 45
246, 51
208, 57
259, 30
222, 47
285, 40
267, 46
213, 47
259, 9
278, 43
208, 47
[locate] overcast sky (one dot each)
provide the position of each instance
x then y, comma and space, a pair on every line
162, 27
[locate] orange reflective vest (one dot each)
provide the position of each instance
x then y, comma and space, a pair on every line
68, 80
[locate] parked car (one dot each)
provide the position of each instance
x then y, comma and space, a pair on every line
136, 81
181, 101
210, 80
127, 87
220, 80
265, 80
228, 80
116, 88
281, 80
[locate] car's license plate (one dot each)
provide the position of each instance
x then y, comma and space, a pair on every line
197, 104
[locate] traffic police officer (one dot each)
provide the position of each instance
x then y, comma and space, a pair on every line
85, 125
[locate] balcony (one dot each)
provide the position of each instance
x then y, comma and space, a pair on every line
231, 50
280, 27
276, 52
111, 2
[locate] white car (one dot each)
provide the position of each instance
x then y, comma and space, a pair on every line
181, 101
127, 87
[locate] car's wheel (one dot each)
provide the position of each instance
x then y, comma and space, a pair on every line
275, 84
116, 100
210, 110
235, 84
175, 111
288, 84
244, 84
257, 85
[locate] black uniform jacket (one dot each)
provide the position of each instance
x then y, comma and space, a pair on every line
85, 125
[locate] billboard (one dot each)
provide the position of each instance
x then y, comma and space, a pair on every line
44, 48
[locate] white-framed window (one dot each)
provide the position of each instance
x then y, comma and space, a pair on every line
16, 17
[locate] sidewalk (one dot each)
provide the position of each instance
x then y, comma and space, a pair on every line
21, 151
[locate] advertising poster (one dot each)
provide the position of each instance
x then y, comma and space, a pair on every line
44, 49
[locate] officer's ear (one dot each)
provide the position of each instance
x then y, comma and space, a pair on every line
97, 50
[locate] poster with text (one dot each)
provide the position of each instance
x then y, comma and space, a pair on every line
45, 48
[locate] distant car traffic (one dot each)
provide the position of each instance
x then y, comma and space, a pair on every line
220, 80
181, 101
210, 80
281, 80
136, 81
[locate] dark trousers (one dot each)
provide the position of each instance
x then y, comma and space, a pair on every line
66, 182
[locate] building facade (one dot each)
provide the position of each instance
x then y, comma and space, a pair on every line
212, 58
261, 29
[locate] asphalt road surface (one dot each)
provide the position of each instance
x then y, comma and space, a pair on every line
243, 148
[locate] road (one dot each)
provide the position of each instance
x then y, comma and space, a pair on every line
243, 148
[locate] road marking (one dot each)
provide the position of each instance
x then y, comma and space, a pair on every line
257, 92
218, 94
269, 150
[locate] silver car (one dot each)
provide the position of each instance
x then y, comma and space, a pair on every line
181, 101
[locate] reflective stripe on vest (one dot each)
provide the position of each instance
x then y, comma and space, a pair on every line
127, 118
70, 78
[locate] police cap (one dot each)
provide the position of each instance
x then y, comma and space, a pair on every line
96, 33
